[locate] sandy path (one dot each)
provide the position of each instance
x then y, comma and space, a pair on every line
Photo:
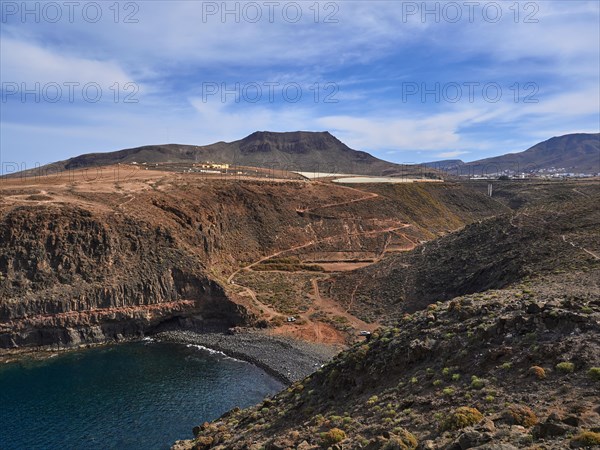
321, 304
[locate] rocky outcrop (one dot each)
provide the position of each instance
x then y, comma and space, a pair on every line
87, 263
71, 277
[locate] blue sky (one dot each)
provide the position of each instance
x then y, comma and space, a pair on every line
406, 81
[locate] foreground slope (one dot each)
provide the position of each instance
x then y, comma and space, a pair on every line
510, 360
505, 369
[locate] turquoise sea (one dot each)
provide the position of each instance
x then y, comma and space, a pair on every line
142, 395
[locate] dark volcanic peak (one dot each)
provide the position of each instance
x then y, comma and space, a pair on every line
291, 142
293, 151
288, 136
307, 151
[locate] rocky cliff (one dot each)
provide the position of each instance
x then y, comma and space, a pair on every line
94, 260
71, 276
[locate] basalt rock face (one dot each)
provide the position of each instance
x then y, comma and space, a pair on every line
87, 261
70, 276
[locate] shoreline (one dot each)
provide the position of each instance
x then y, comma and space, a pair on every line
286, 359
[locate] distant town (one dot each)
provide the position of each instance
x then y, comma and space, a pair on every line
493, 172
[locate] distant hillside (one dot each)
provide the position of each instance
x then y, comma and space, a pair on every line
445, 164
579, 153
296, 151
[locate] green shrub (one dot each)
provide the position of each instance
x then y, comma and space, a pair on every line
336, 421
390, 413
587, 439
594, 373
448, 391
437, 382
565, 367
332, 436
401, 439
460, 418
319, 419
455, 377
477, 383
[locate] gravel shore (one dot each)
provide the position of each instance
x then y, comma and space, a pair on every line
287, 359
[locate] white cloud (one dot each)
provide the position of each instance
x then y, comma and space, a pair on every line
395, 131
29, 63
231, 121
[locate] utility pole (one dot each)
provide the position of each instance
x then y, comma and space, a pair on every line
490, 189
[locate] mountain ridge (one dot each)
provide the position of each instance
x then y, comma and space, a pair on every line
575, 152
293, 151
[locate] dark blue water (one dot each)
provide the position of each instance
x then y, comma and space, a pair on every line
130, 396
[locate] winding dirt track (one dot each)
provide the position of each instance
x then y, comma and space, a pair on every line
321, 304
573, 244
346, 202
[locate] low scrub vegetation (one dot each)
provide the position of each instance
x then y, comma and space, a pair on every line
461, 418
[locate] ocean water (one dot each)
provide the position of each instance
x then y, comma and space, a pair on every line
141, 395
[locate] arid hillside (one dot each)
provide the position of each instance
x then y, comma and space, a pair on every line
516, 368
493, 311
117, 252
548, 235
492, 343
